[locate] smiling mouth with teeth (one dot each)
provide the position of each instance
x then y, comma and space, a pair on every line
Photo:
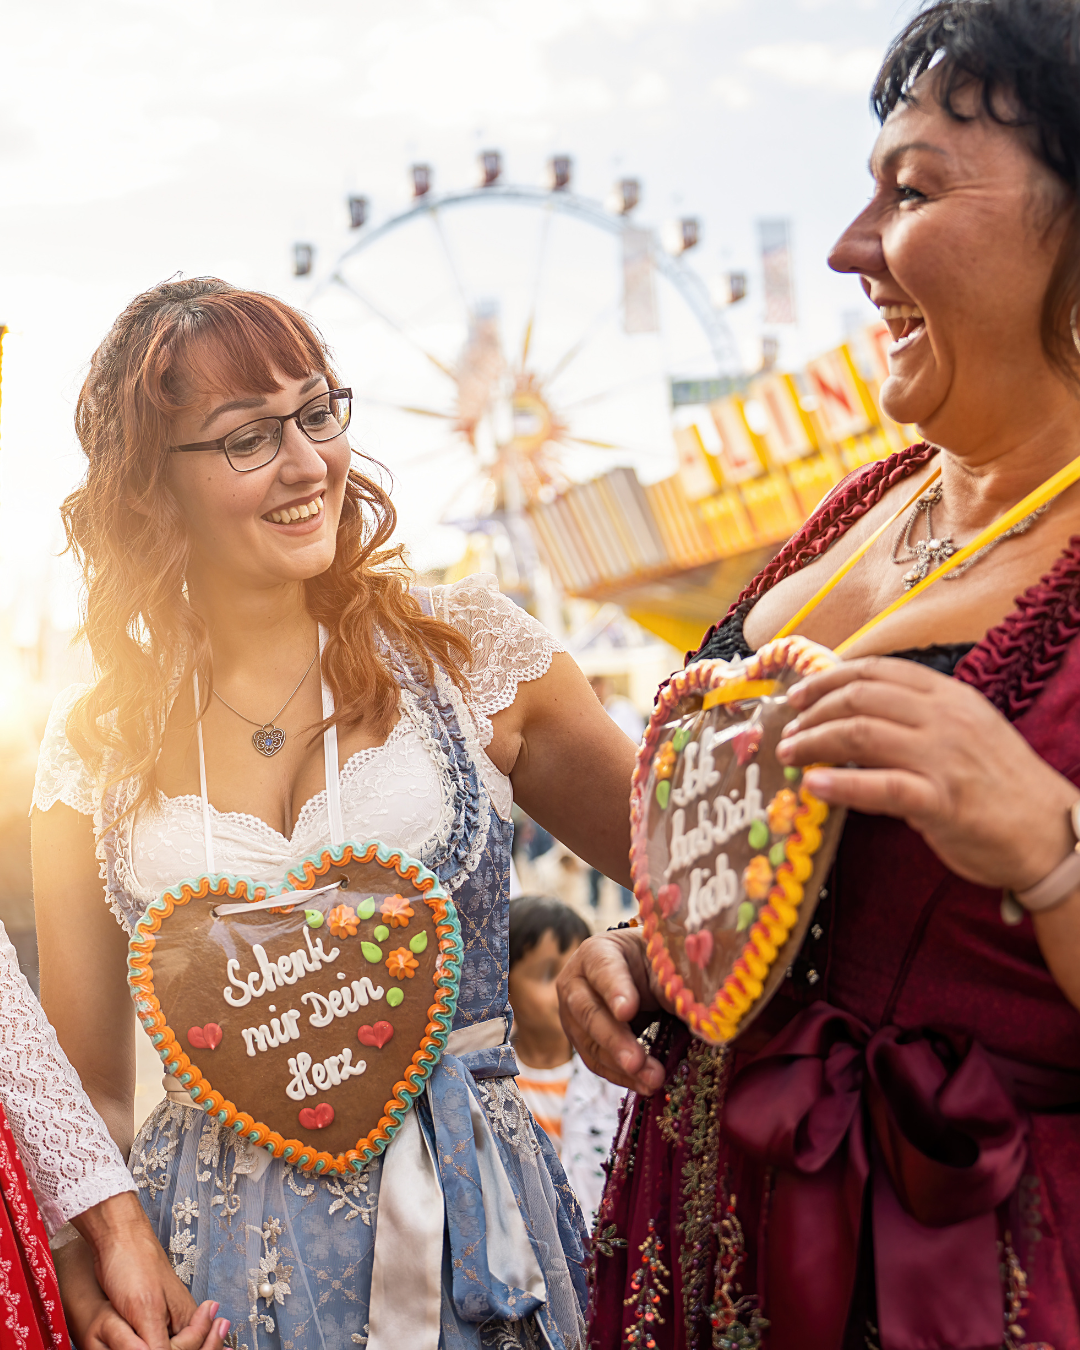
288, 514
904, 320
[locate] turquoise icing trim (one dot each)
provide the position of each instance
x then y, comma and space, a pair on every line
236, 887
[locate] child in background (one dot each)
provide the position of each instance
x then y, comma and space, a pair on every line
578, 1110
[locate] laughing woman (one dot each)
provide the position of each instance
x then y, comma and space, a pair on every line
225, 535
899, 1167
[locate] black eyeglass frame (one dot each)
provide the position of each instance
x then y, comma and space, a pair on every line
289, 417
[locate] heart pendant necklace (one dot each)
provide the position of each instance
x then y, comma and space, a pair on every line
268, 738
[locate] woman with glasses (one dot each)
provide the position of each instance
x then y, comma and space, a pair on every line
239, 580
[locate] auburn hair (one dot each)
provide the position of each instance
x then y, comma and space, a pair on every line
170, 347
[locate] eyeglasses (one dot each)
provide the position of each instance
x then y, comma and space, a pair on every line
255, 444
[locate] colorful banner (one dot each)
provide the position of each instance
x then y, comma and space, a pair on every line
844, 402
775, 236
788, 432
739, 457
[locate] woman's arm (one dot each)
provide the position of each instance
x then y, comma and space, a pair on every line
935, 753
82, 953
570, 765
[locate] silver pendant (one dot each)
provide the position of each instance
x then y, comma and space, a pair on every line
268, 740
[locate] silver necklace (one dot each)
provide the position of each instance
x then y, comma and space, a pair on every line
269, 739
927, 554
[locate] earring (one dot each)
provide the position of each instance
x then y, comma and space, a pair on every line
1072, 326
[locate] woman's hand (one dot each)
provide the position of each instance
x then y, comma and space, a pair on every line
604, 987
96, 1325
134, 1271
935, 753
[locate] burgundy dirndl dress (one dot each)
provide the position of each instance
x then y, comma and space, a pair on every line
31, 1316
894, 1162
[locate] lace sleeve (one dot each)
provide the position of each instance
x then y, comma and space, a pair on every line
68, 1154
509, 646
61, 775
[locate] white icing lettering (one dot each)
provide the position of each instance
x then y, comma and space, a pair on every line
332, 1072
730, 816
710, 894
340, 1002
273, 975
279, 1032
363, 989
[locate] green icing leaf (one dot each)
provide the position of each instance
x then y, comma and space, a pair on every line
418, 943
366, 908
759, 834
680, 739
381, 933
371, 952
313, 918
745, 916
394, 996
663, 792
778, 854
792, 774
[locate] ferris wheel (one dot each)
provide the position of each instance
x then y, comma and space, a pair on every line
504, 340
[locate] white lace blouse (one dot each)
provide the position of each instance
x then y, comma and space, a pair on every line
393, 791
68, 1154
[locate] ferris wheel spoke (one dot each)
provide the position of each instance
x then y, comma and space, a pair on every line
599, 397
451, 262
602, 445
405, 408
589, 336
370, 304
541, 259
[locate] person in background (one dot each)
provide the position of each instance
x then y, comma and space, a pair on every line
627, 718
578, 1109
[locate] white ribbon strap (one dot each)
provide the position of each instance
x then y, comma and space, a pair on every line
330, 759
411, 1219
208, 833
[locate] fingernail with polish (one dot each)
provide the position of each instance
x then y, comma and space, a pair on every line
222, 1327
213, 1309
818, 781
790, 728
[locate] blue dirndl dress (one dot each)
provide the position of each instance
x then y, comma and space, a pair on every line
496, 1260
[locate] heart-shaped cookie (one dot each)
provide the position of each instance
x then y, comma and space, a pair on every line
376, 1035
284, 995
729, 849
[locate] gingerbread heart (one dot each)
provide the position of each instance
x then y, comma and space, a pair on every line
317, 1118
274, 979
729, 847
377, 1034
205, 1038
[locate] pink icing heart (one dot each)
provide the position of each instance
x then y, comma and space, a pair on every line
205, 1038
699, 947
317, 1118
378, 1034
667, 897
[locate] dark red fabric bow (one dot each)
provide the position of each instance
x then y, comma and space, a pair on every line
926, 1121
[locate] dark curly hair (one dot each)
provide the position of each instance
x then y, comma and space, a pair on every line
1024, 55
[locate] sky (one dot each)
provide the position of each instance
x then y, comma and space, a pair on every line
142, 138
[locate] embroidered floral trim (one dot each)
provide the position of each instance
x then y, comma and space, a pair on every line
646, 1288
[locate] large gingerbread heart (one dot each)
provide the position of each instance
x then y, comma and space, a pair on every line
729, 849
308, 1016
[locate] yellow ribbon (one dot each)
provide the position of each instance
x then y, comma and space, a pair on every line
1054, 485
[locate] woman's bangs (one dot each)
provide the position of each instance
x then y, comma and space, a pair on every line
235, 344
